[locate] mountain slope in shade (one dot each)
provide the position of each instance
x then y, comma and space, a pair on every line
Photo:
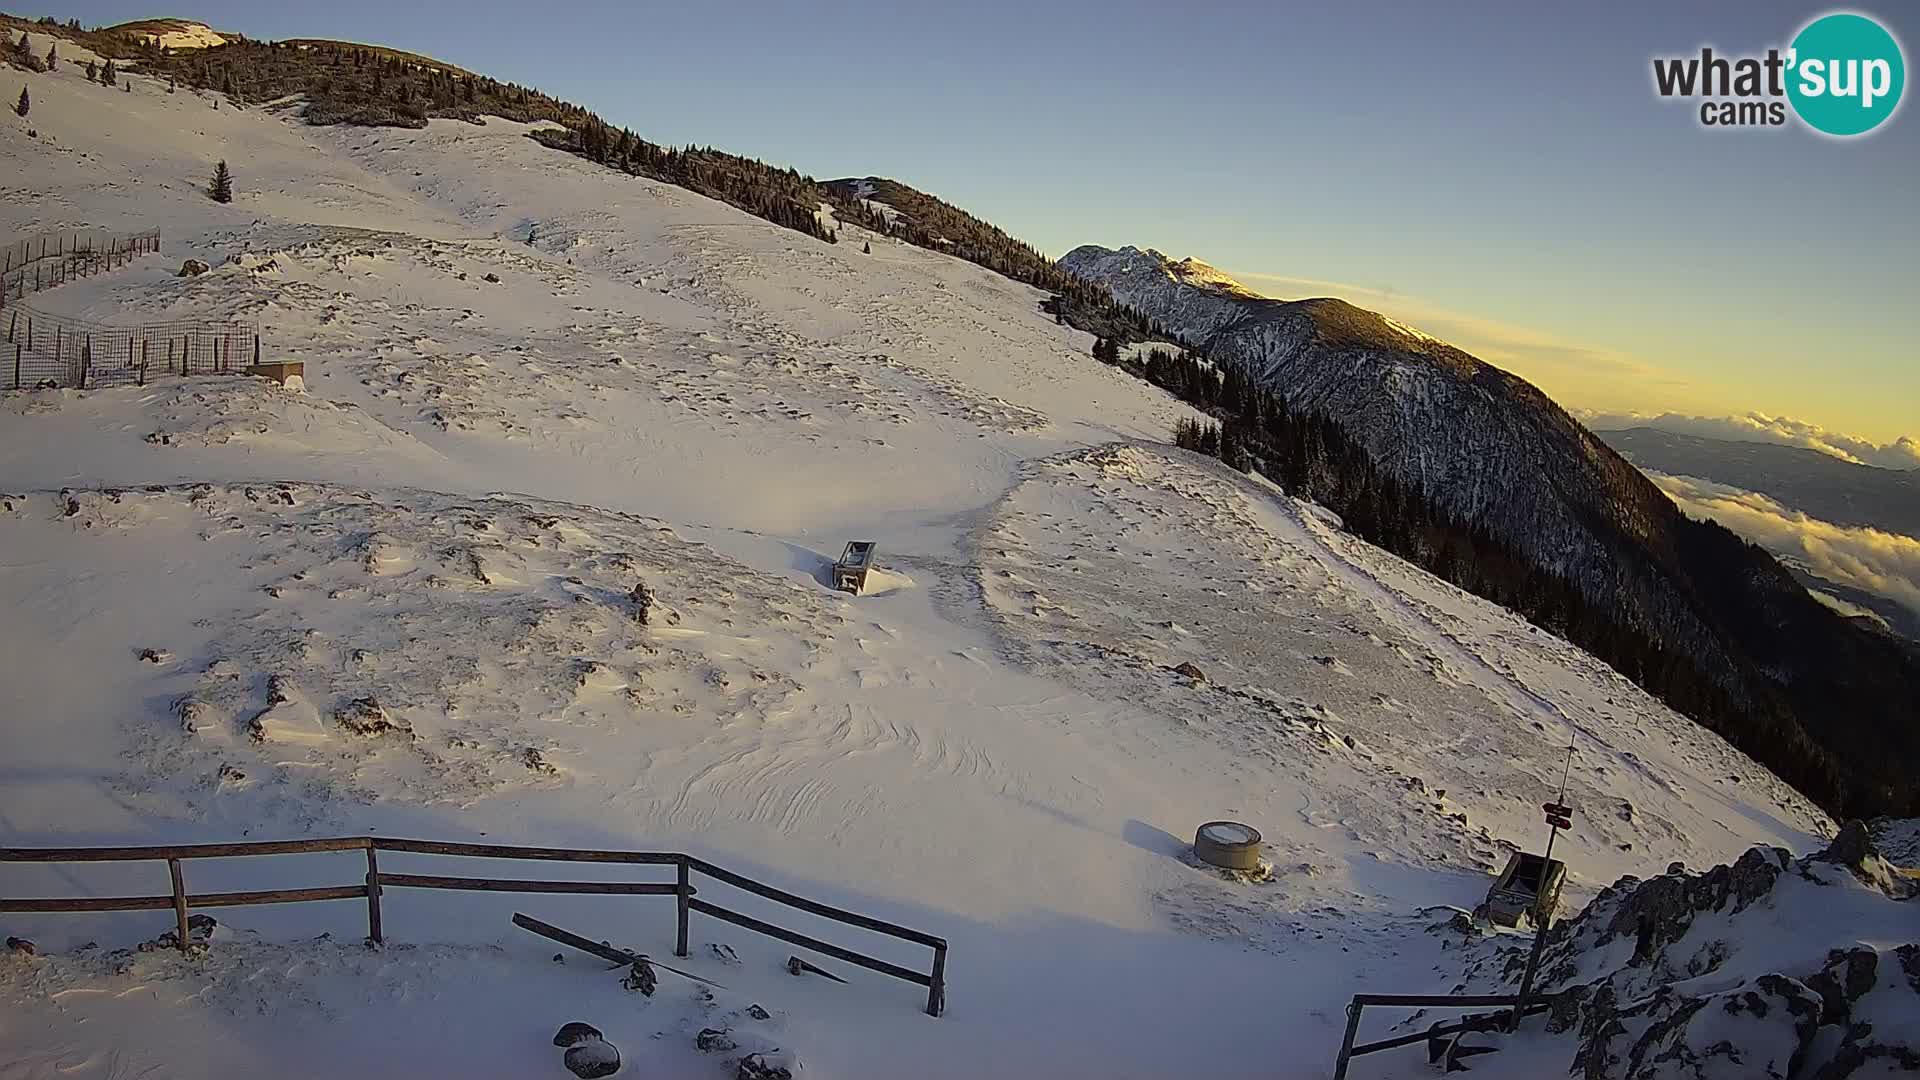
1492, 450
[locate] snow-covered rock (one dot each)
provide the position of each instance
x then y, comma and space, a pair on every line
1769, 967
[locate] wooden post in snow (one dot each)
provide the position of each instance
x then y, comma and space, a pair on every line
179, 902
373, 896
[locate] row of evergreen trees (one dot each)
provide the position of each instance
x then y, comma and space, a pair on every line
937, 225
782, 196
1312, 456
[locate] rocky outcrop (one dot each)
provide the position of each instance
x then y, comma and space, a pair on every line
1771, 967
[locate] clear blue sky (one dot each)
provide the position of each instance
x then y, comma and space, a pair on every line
1498, 173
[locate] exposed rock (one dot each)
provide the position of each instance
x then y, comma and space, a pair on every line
642, 598
1191, 671
770, 1066
1847, 977
1852, 847
574, 1031
715, 1041
193, 268
758, 1013
156, 656
194, 714
592, 1058
20, 946
366, 716
492, 278
1693, 998
532, 759
642, 978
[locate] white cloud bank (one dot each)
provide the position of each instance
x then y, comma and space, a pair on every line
1902, 453
1885, 564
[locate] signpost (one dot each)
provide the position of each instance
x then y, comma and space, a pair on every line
1559, 816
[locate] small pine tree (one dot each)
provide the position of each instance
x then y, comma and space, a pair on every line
866, 248
53, 56
222, 187
107, 74
24, 104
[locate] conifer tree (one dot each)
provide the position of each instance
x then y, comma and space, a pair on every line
222, 187
866, 248
93, 71
53, 56
24, 104
107, 74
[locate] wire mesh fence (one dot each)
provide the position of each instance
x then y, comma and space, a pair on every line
55, 351
49, 259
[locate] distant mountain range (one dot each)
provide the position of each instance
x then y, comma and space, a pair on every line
1822, 485
1491, 450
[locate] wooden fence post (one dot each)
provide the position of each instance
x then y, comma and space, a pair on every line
937, 990
16, 365
179, 902
686, 890
373, 896
169, 355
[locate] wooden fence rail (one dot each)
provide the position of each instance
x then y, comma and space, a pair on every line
376, 881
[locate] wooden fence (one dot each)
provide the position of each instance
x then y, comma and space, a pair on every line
682, 889
52, 350
44, 261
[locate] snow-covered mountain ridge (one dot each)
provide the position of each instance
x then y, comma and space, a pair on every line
1491, 451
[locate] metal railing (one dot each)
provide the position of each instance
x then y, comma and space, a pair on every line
1489, 1022
682, 889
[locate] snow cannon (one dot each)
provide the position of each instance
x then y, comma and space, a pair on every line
1228, 845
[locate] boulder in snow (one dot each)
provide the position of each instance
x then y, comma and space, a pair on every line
575, 1031
774, 1065
590, 1058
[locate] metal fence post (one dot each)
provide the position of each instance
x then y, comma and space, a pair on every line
179, 902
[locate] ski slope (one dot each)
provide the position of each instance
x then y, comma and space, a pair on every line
991, 746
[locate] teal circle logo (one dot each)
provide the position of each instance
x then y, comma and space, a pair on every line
1845, 74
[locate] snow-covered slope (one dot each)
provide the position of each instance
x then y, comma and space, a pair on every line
1738, 639
400, 603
